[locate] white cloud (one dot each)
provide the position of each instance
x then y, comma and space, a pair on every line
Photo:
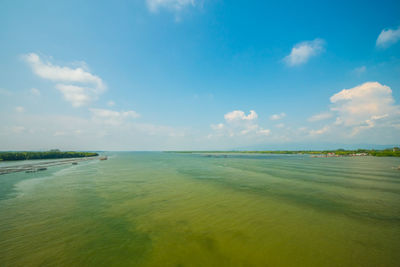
35, 92
303, 51
78, 96
280, 125
48, 71
388, 37
360, 103
238, 115
175, 5
366, 106
88, 88
320, 131
320, 116
112, 117
237, 123
263, 131
110, 103
276, 117
19, 109
218, 126
369, 123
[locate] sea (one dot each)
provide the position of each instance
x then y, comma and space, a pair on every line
197, 209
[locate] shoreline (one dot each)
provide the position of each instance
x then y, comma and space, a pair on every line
52, 154
395, 152
41, 166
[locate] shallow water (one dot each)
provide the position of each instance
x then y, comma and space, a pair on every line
166, 209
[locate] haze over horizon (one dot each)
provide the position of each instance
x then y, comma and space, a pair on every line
199, 75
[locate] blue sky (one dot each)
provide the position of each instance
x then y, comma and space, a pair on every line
190, 74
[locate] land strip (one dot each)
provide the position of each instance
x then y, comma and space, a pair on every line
41, 166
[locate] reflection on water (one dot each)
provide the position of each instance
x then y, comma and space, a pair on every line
166, 209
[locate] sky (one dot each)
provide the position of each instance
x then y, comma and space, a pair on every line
199, 74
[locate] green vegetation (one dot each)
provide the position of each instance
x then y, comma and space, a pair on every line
52, 154
392, 152
385, 153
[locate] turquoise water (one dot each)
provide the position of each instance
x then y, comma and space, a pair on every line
166, 209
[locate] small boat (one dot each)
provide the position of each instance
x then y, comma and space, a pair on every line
103, 158
74, 163
41, 169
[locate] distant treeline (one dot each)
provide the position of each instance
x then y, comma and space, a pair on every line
395, 152
44, 155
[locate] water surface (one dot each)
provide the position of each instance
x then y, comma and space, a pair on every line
167, 209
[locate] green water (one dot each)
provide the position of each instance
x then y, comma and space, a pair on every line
165, 209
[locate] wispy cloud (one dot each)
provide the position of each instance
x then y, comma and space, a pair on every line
88, 88
104, 129
112, 117
174, 5
360, 70
388, 37
15, 129
320, 116
303, 51
34, 92
276, 117
19, 109
46, 70
5, 92
321, 131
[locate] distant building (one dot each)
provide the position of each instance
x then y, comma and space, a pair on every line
361, 154
395, 149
